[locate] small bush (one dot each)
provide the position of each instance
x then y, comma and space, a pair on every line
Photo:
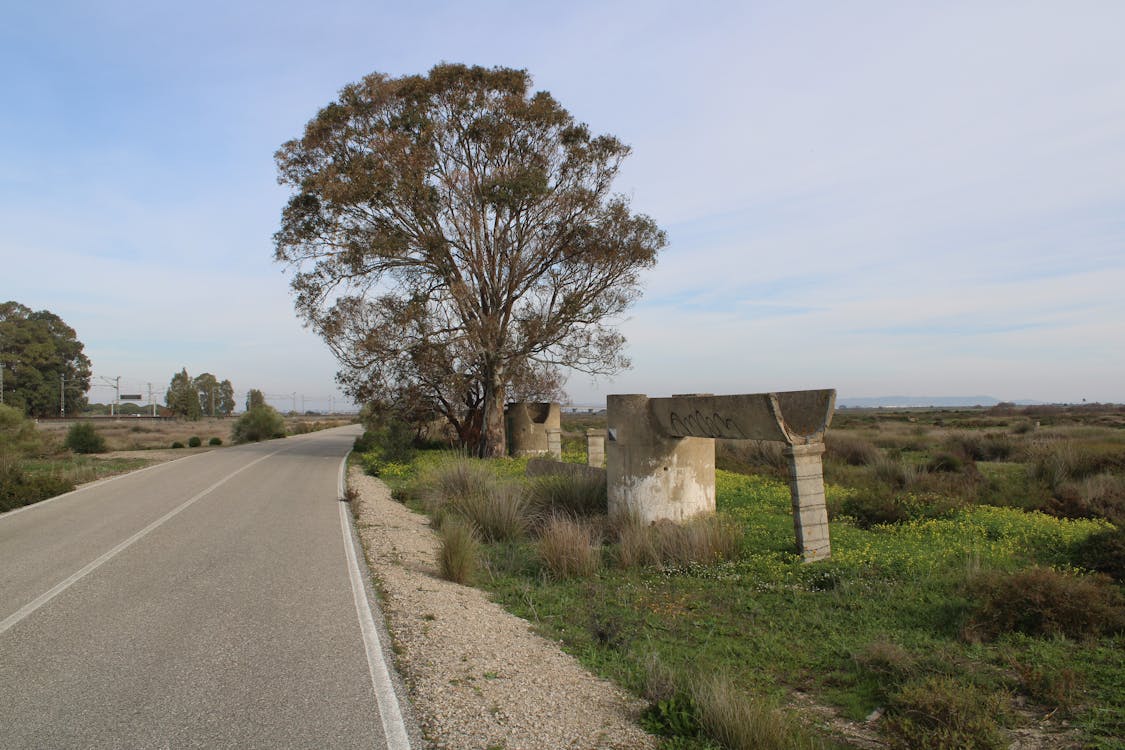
1103, 552
947, 462
938, 712
889, 662
194, 442
18, 488
18, 436
873, 506
215, 441
893, 472
980, 446
1043, 602
177, 445
570, 548
1055, 688
575, 495
850, 449
260, 423
459, 551
83, 438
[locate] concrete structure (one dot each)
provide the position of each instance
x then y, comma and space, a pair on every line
545, 467
595, 447
534, 428
661, 453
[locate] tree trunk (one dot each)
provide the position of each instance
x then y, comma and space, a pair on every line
493, 440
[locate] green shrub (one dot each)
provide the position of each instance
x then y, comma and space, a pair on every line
194, 442
215, 441
390, 442
570, 548
947, 462
1103, 552
980, 446
18, 436
459, 551
873, 506
18, 488
572, 494
1041, 601
260, 423
938, 712
83, 438
893, 472
177, 445
850, 449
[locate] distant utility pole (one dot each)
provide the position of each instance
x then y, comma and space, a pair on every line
294, 401
212, 401
62, 395
153, 403
1, 382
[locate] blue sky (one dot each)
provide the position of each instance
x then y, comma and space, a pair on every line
885, 198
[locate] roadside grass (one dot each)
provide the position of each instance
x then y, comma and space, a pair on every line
884, 624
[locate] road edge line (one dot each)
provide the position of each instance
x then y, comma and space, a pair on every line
386, 700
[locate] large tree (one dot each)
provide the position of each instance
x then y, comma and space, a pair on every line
182, 396
41, 358
464, 228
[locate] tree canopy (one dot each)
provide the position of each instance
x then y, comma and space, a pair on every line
41, 357
193, 398
455, 239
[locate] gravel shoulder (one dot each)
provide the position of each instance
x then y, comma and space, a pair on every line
478, 676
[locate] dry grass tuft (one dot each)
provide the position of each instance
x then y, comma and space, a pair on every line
458, 554
570, 548
741, 722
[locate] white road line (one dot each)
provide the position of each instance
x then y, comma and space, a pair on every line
62, 586
387, 702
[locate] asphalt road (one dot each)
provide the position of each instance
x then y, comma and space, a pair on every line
206, 602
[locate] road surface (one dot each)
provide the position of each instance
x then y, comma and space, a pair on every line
207, 602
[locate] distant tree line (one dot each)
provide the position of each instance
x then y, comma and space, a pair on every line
205, 395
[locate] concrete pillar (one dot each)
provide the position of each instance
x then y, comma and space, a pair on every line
528, 426
554, 442
806, 487
595, 448
652, 476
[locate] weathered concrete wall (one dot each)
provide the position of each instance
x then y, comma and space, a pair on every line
792, 417
595, 447
652, 476
661, 453
529, 426
540, 467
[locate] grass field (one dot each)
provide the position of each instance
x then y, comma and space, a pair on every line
959, 608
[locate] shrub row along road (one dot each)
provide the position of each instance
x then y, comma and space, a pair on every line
209, 602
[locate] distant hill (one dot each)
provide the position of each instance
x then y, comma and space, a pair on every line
924, 401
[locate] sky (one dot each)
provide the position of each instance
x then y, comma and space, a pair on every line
906, 198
